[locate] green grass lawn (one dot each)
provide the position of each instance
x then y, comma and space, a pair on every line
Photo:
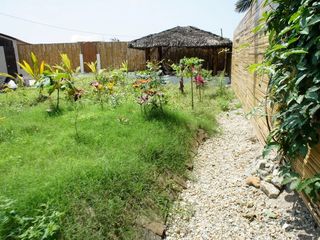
114, 168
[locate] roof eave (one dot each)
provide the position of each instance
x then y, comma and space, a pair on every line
181, 46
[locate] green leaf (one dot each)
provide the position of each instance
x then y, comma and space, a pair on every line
294, 184
270, 146
254, 67
300, 79
259, 28
292, 52
294, 17
305, 31
27, 68
286, 29
314, 20
6, 75
313, 110
300, 99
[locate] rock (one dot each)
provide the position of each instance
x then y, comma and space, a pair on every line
269, 189
275, 172
285, 226
263, 173
189, 166
268, 178
250, 216
201, 136
270, 214
150, 227
149, 235
261, 164
253, 181
250, 204
277, 181
180, 181
156, 227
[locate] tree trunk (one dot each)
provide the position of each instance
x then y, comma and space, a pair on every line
58, 99
181, 87
192, 104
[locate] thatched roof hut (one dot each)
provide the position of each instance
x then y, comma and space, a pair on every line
181, 37
178, 42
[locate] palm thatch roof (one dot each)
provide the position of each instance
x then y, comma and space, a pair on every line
181, 37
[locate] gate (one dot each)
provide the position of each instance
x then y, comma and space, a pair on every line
89, 52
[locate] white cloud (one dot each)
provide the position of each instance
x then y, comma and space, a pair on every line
87, 38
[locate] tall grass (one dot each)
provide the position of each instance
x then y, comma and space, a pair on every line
101, 174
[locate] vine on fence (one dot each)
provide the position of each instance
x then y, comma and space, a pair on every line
292, 62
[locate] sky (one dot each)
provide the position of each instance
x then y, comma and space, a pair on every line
103, 20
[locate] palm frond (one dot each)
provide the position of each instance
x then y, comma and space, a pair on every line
92, 66
244, 5
66, 62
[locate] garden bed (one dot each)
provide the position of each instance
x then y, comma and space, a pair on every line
92, 170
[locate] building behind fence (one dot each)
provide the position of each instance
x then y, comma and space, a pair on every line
248, 48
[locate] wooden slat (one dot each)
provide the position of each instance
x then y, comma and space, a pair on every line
112, 54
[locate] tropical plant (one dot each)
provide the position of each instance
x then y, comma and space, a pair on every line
150, 88
244, 5
17, 77
99, 90
35, 70
124, 67
191, 67
92, 66
178, 69
104, 85
61, 78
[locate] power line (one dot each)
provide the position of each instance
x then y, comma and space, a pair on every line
63, 28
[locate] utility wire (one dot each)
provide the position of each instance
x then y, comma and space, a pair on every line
62, 28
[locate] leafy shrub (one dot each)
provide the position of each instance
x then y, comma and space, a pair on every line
223, 104
292, 62
190, 68
44, 226
221, 85
104, 85
150, 89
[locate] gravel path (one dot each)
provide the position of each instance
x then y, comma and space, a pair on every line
218, 204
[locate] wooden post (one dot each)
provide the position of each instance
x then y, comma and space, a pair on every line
160, 57
147, 54
225, 60
159, 53
192, 104
215, 60
81, 63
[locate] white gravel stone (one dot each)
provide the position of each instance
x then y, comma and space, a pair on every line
218, 204
269, 189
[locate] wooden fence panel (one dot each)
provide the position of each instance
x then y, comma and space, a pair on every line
136, 59
248, 48
50, 53
112, 54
